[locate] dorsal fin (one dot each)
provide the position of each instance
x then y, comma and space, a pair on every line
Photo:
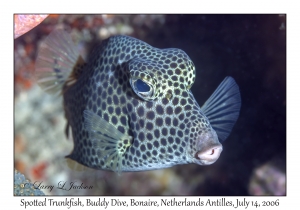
223, 107
58, 62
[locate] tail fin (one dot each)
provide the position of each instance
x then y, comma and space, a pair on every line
56, 60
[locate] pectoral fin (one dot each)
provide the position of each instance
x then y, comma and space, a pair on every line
112, 143
223, 107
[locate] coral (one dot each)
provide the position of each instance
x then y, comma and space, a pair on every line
22, 187
24, 23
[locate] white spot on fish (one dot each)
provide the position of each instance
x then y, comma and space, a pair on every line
110, 73
99, 84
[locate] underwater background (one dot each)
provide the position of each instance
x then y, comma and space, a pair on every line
250, 48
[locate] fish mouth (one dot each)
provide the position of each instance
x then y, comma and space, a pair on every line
209, 155
208, 148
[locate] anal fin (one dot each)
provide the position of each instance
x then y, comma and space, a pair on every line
72, 164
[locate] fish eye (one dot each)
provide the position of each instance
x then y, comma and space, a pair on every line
142, 88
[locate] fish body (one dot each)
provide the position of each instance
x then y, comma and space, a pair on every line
130, 105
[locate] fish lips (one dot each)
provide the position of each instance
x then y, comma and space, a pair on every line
208, 148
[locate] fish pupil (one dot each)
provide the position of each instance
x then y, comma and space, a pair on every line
142, 86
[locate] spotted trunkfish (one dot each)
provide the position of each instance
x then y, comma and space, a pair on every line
129, 106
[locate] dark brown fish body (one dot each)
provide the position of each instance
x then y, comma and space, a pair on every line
131, 108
